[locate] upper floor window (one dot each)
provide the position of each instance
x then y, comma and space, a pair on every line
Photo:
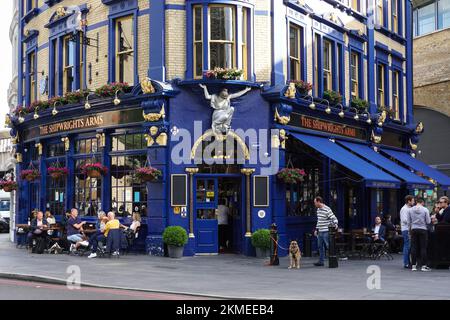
426, 19
327, 65
32, 75
295, 45
354, 73
125, 50
394, 7
355, 5
444, 14
69, 64
380, 85
395, 94
380, 12
225, 46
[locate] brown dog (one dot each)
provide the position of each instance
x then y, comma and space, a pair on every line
294, 255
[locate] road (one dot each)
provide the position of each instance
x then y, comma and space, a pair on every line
27, 290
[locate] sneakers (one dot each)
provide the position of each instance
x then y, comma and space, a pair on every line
115, 254
72, 247
92, 255
414, 268
407, 266
84, 243
319, 264
425, 269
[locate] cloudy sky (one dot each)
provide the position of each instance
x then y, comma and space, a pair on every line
5, 55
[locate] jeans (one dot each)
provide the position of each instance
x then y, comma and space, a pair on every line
75, 238
419, 240
406, 247
323, 243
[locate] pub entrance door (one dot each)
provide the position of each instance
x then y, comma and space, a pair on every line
218, 200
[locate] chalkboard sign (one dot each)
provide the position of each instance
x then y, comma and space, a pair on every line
260, 191
178, 192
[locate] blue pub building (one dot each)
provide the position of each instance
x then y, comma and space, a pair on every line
320, 85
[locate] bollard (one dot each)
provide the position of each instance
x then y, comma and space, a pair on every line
274, 261
332, 258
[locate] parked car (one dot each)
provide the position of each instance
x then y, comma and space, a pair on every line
4, 226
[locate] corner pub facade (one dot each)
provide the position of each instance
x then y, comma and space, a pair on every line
361, 163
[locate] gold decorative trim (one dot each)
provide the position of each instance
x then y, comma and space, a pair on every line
146, 86
281, 119
102, 139
420, 127
375, 138
210, 133
66, 143
283, 138
413, 146
39, 147
149, 140
248, 219
152, 117
60, 11
191, 172
290, 91
19, 158
162, 139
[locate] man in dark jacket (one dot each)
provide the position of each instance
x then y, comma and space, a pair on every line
444, 204
37, 224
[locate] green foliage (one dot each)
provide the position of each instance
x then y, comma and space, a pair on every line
359, 104
175, 236
332, 97
261, 239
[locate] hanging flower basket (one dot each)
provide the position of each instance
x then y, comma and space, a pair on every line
8, 185
147, 174
57, 172
291, 175
94, 170
30, 174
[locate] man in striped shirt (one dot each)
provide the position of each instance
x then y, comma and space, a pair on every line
325, 217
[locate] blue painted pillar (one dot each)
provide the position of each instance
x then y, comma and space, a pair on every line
409, 62
20, 58
371, 83
279, 204
279, 48
70, 182
106, 179
157, 65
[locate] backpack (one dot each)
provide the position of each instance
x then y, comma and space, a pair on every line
39, 246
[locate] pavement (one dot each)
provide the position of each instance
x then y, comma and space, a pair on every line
231, 276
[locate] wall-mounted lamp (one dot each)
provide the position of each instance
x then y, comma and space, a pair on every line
54, 111
356, 117
36, 116
116, 99
87, 105
369, 120
341, 113
312, 105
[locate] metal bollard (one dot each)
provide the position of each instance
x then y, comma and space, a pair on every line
274, 261
332, 258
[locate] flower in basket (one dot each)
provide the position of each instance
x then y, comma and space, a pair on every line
57, 172
30, 174
224, 74
147, 173
291, 175
109, 90
8, 185
303, 87
94, 169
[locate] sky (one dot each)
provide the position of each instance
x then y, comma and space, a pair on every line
5, 57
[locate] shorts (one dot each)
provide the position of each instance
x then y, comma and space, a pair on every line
75, 238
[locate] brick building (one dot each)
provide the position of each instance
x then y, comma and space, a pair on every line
325, 86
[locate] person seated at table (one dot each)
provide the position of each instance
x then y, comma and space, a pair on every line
388, 223
99, 235
75, 230
130, 232
37, 225
50, 221
112, 224
379, 231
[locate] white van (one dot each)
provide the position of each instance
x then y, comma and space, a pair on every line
5, 205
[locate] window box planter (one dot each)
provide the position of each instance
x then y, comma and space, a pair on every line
223, 74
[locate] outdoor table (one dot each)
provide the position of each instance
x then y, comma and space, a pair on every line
89, 231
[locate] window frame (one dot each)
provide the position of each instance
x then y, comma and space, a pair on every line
327, 72
356, 72
395, 94
117, 53
379, 6
201, 41
300, 50
32, 75
395, 16
381, 80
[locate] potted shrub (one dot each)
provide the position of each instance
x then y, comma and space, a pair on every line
175, 237
303, 88
30, 174
147, 174
291, 175
261, 242
109, 90
57, 172
94, 170
8, 185
359, 104
332, 97
224, 74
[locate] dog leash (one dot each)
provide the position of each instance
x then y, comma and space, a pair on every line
278, 245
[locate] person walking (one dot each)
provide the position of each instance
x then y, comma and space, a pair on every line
222, 221
409, 202
418, 220
325, 217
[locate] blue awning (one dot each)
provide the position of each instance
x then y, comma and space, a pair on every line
412, 180
374, 177
419, 166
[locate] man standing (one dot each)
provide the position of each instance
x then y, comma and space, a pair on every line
419, 219
325, 217
409, 202
222, 221
444, 205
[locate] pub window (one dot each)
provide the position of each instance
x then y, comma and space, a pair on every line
379, 202
327, 65
395, 94
55, 150
125, 50
68, 64
87, 190
380, 85
128, 195
300, 197
198, 42
380, 12
86, 146
32, 76
394, 8
354, 72
56, 191
222, 36
295, 40
125, 142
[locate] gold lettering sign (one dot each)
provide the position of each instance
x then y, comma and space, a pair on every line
74, 124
